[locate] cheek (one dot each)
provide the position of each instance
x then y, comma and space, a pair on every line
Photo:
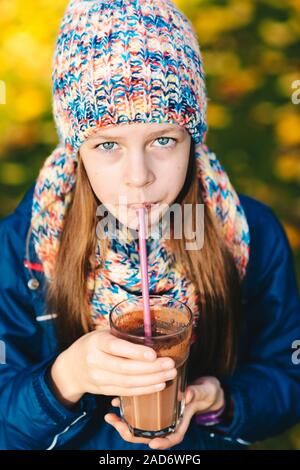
105, 183
175, 176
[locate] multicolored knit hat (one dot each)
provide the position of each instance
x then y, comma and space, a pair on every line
129, 61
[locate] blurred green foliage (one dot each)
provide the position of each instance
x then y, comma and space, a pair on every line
251, 58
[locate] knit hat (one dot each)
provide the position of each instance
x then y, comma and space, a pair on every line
125, 61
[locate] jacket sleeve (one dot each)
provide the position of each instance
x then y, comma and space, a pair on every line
265, 387
30, 415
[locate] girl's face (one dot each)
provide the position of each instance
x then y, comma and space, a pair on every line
136, 163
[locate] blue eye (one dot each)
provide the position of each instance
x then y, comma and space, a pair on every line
108, 150
104, 143
166, 138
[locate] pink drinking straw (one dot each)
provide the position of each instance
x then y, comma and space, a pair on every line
144, 272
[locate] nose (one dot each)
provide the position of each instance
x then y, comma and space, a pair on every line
137, 171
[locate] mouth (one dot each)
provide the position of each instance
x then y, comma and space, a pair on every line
147, 205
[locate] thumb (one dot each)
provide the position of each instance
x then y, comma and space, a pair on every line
189, 394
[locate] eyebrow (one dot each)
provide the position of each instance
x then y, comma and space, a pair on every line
152, 134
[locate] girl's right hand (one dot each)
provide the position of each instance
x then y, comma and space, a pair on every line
103, 364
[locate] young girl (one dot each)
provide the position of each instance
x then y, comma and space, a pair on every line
129, 105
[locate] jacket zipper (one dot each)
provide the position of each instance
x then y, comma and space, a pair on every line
54, 442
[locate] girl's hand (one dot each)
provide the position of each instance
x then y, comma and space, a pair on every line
204, 395
103, 364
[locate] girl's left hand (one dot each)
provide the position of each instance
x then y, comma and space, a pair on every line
202, 396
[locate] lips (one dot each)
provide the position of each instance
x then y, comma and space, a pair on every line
146, 205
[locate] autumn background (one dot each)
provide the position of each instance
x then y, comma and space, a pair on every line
251, 57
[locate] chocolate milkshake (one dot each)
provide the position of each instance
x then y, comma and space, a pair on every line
158, 413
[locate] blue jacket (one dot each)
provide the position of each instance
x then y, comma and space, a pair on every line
265, 387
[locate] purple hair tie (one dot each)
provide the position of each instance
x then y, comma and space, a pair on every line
210, 418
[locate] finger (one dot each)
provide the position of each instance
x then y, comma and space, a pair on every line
219, 401
206, 391
128, 366
133, 367
116, 402
177, 437
105, 377
209, 390
123, 429
189, 395
207, 396
119, 347
202, 398
129, 392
